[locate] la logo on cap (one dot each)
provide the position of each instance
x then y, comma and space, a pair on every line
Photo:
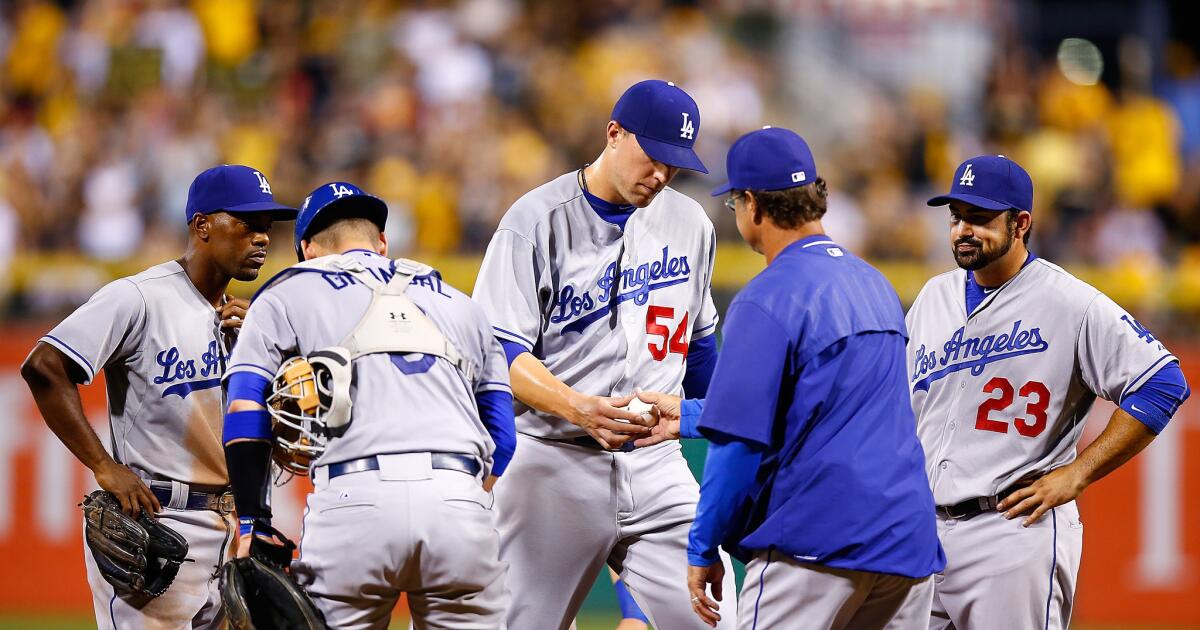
968, 178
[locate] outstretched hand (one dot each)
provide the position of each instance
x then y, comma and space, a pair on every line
666, 413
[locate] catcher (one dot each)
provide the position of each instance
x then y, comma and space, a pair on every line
386, 385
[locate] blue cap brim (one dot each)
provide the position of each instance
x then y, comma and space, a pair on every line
280, 211
367, 206
670, 154
974, 200
722, 189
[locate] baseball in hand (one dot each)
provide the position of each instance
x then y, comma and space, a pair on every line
637, 406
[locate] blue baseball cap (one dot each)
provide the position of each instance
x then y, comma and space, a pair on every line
344, 198
665, 121
772, 158
236, 189
991, 182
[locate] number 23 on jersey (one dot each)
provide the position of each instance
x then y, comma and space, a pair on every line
1034, 395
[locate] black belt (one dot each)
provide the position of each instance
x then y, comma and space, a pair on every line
973, 507
215, 498
440, 461
588, 441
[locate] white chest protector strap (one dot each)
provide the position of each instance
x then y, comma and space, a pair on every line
393, 323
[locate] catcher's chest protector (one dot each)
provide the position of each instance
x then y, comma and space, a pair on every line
392, 323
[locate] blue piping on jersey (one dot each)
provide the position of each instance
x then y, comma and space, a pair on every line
183, 389
761, 586
1053, 564
88, 364
250, 368
582, 323
112, 614
1125, 392
700, 330
515, 336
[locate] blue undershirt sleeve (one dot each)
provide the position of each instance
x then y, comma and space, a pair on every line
689, 418
248, 386
701, 361
629, 608
1158, 398
512, 350
729, 473
496, 413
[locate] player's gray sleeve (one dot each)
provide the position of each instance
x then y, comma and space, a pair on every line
493, 374
109, 326
266, 338
495, 368
1116, 353
508, 287
705, 322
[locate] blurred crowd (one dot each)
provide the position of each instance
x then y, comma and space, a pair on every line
451, 110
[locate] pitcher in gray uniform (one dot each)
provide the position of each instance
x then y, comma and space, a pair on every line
1006, 356
161, 337
419, 426
597, 283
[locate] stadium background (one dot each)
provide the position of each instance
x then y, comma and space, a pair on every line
451, 110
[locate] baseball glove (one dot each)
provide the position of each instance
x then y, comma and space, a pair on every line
139, 557
259, 595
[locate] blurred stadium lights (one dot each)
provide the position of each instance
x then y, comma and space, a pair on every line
1080, 61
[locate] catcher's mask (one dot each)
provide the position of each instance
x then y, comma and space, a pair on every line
309, 403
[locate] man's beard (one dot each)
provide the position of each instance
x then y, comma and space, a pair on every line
981, 257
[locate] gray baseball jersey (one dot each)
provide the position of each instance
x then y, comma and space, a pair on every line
605, 309
1002, 392
159, 342
160, 346
446, 554
401, 403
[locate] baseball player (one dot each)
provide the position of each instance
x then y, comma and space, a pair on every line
426, 417
814, 475
597, 283
1005, 358
161, 336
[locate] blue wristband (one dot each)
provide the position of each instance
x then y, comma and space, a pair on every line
245, 525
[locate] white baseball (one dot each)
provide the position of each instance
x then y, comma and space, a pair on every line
637, 406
